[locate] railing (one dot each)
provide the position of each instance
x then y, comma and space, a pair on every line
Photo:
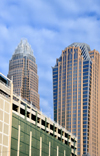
36, 109
9, 86
7, 96
16, 95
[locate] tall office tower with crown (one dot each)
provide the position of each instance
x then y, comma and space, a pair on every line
76, 99
23, 69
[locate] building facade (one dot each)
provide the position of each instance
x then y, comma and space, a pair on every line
23, 70
25, 131
85, 155
76, 83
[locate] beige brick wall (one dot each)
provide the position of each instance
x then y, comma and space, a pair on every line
5, 126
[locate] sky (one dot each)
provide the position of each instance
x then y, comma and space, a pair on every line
49, 26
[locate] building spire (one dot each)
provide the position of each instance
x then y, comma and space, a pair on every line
23, 48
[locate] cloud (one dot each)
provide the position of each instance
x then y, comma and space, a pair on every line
46, 108
49, 26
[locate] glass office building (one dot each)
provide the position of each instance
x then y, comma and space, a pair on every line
75, 85
23, 69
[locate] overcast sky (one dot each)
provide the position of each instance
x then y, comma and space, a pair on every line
49, 26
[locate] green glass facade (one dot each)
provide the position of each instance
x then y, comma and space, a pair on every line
25, 128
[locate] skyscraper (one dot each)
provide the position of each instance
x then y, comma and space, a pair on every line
76, 87
23, 68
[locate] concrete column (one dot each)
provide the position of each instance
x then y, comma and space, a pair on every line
45, 123
30, 143
25, 111
36, 119
40, 121
53, 129
30, 116
57, 132
19, 104
49, 148
49, 128
30, 113
18, 141
11, 101
64, 153
40, 146
57, 150
61, 134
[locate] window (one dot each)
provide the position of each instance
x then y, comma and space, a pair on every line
85, 92
75, 55
85, 70
85, 88
84, 123
85, 103
85, 96
69, 56
85, 77
85, 85
85, 81
85, 62
86, 73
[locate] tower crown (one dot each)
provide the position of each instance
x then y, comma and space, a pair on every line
23, 48
85, 48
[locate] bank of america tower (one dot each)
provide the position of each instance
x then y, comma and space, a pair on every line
23, 69
76, 99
